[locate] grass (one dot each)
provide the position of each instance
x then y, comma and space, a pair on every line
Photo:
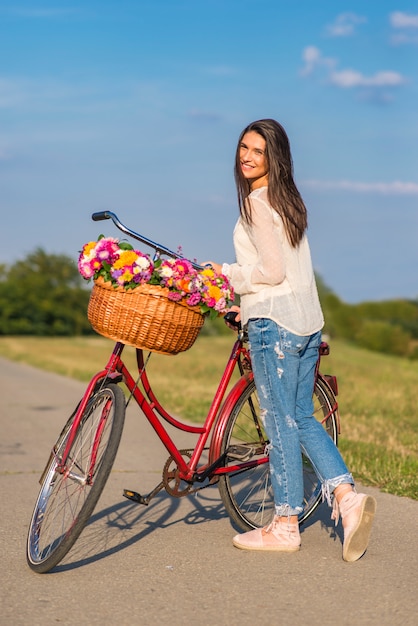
377, 395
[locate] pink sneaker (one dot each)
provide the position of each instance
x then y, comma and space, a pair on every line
276, 537
357, 512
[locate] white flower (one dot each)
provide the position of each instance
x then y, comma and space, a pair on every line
166, 272
142, 262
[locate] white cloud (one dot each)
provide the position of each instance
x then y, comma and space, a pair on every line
403, 38
392, 188
344, 25
313, 59
375, 88
348, 79
405, 27
403, 20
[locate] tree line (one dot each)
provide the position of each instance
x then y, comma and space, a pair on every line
44, 295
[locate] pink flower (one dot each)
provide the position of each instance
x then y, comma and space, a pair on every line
175, 296
121, 265
107, 249
194, 299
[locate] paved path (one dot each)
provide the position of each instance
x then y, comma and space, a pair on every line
173, 563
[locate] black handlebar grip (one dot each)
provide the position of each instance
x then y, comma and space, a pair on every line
230, 318
100, 215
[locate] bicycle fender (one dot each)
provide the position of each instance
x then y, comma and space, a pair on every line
221, 422
222, 419
331, 383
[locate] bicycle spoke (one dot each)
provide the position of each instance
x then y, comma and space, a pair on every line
72, 485
247, 494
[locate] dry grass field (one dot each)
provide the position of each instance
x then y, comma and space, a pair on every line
377, 395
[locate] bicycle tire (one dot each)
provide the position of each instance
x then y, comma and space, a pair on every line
247, 495
68, 497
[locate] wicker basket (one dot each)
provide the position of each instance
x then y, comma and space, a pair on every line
143, 317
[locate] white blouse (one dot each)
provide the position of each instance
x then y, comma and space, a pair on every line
274, 279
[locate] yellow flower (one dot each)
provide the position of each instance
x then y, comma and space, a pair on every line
89, 247
127, 257
215, 292
208, 271
126, 276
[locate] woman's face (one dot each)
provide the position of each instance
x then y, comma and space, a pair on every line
253, 160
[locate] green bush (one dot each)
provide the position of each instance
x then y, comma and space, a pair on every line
43, 295
383, 337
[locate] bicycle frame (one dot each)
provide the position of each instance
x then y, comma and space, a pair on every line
116, 371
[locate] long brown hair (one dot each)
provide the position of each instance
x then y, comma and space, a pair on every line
282, 192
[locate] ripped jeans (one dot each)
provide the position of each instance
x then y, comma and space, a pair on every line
284, 370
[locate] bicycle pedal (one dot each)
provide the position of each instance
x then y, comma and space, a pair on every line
134, 496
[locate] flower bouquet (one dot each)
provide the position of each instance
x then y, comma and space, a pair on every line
154, 304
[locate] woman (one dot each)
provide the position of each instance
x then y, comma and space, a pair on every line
279, 303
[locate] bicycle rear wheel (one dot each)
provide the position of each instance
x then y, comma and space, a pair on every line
70, 490
247, 494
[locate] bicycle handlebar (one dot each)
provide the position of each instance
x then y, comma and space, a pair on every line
159, 249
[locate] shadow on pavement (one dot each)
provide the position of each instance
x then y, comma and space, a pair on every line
121, 525
117, 527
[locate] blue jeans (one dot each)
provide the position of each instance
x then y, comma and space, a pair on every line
284, 372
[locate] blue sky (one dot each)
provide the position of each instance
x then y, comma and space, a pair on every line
136, 106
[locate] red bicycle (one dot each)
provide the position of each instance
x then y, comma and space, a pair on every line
232, 436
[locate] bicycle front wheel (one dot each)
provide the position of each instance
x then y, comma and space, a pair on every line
247, 494
71, 487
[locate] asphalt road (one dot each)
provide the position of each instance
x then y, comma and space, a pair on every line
173, 562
